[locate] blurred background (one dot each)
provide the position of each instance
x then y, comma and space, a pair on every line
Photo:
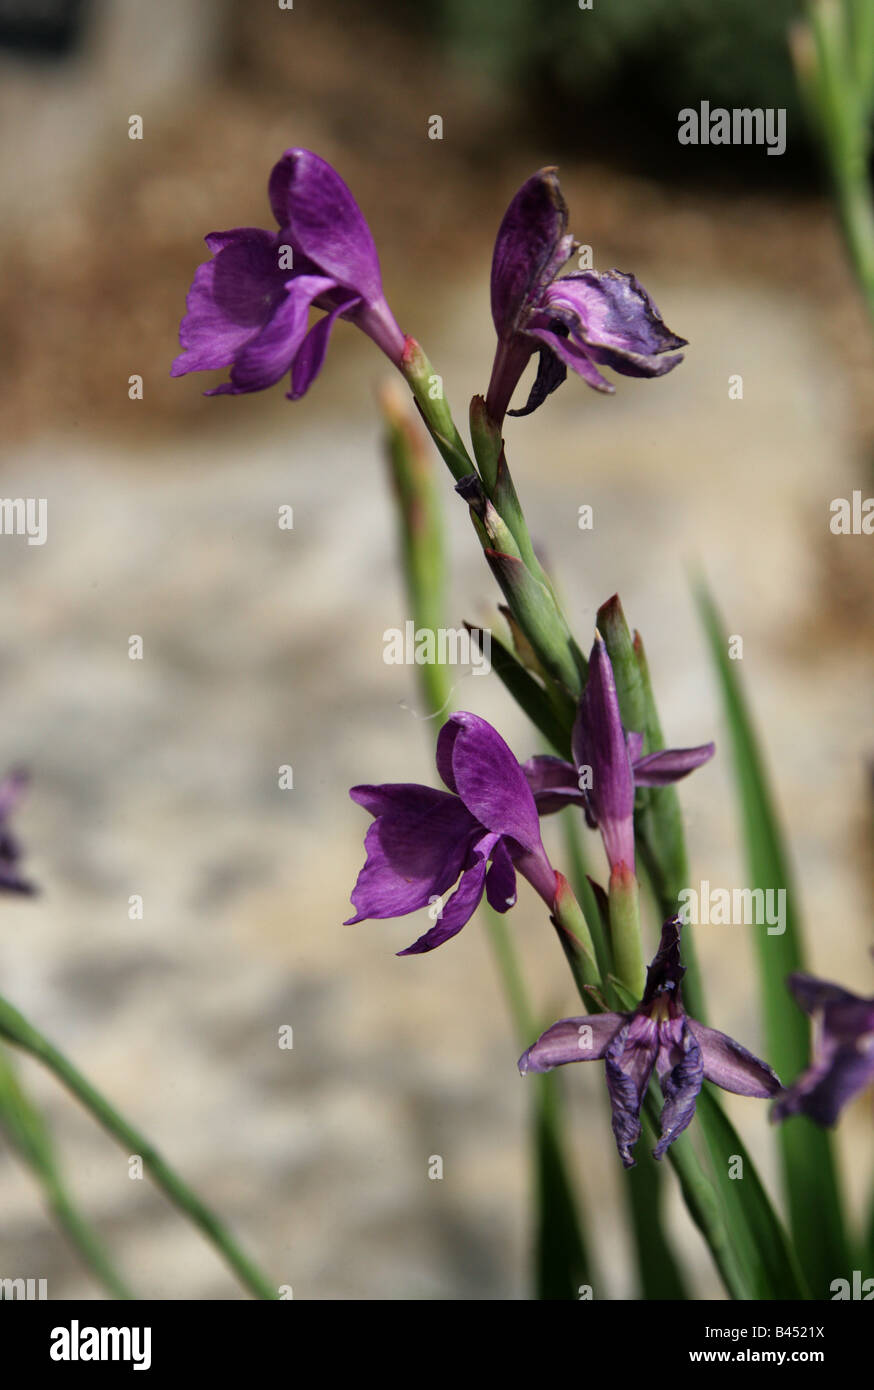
264, 647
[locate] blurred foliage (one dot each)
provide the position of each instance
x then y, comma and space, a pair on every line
620, 72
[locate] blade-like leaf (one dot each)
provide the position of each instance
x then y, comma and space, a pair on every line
812, 1191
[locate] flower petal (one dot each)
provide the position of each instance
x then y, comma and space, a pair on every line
729, 1065
310, 199
629, 1059
490, 781
231, 298
271, 353
551, 372
416, 848
501, 880
553, 783
598, 741
583, 1039
531, 245
574, 357
456, 912
669, 764
681, 1085
308, 361
613, 318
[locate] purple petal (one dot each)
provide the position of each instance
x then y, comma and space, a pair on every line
416, 848
551, 372
669, 764
490, 781
456, 912
572, 1040
271, 353
501, 880
824, 1089
681, 1084
635, 746
574, 357
230, 300
308, 361
553, 783
309, 197
530, 247
731, 1066
613, 319
598, 741
812, 994
630, 1059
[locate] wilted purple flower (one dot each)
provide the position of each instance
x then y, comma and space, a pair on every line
582, 321
658, 1035
843, 1051
608, 764
248, 308
475, 835
11, 789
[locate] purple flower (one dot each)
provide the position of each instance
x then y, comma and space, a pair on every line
582, 321
11, 789
249, 307
608, 764
843, 1051
658, 1036
423, 841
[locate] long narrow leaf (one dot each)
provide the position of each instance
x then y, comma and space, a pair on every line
812, 1190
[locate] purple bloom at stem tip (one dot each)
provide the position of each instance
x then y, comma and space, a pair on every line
609, 764
249, 307
11, 790
843, 1051
583, 320
656, 1036
476, 835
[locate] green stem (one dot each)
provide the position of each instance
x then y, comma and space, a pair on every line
16, 1030
83, 1239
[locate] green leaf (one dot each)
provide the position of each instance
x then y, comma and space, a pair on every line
658, 1271
761, 1242
808, 1167
562, 1263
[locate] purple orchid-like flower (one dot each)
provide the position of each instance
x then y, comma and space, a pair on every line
583, 320
843, 1051
476, 835
657, 1036
609, 765
11, 790
249, 307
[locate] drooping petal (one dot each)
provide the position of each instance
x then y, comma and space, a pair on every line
308, 361
825, 1088
598, 742
610, 315
574, 357
629, 1060
501, 880
490, 781
231, 298
310, 199
680, 1081
551, 373
458, 908
416, 848
669, 764
531, 245
729, 1065
583, 1039
271, 352
553, 783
